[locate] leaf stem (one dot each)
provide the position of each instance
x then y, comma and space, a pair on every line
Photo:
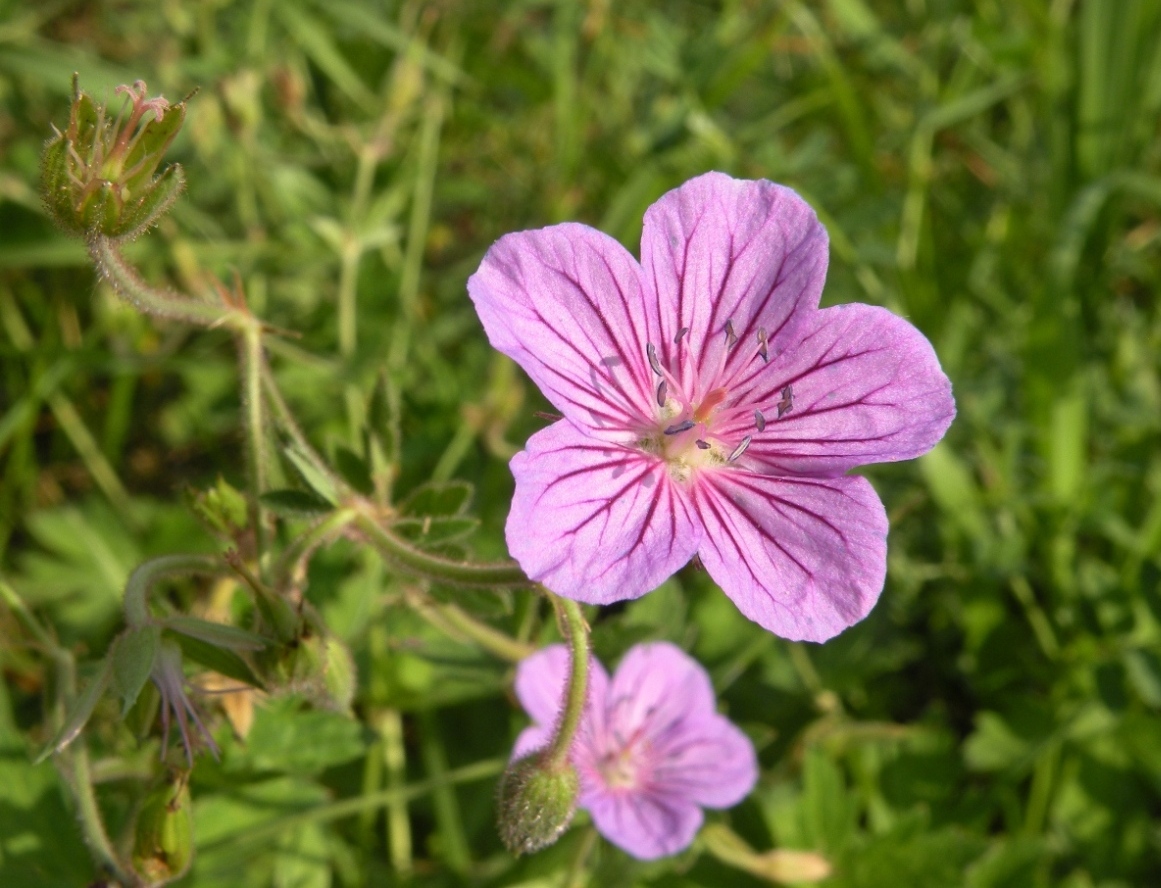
434, 567
251, 359
454, 621
145, 576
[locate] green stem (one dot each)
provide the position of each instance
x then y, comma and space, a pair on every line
250, 352
577, 636
128, 284
433, 567
453, 621
145, 576
301, 546
289, 425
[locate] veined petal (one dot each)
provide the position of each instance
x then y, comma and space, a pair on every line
594, 521
566, 304
719, 249
802, 557
646, 825
864, 386
715, 765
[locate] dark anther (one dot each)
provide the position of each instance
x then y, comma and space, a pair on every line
680, 333
731, 336
759, 421
762, 345
651, 353
678, 428
787, 402
702, 445
662, 393
740, 449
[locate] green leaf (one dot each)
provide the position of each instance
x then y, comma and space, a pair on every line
434, 531
132, 656
80, 712
434, 499
295, 503
354, 470
288, 737
317, 480
218, 634
219, 660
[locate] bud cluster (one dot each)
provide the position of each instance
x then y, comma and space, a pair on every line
99, 173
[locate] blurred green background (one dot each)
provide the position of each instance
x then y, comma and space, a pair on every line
987, 169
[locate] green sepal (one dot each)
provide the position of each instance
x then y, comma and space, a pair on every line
219, 660
79, 713
218, 634
133, 654
56, 185
158, 196
163, 840
152, 143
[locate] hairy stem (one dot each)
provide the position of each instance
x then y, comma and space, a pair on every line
454, 621
576, 632
401, 553
129, 285
250, 353
146, 575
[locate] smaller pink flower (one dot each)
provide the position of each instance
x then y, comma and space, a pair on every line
652, 750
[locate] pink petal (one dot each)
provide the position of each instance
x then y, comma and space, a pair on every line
566, 304
866, 387
803, 557
718, 249
594, 521
531, 739
663, 694
646, 826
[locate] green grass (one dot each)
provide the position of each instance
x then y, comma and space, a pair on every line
988, 169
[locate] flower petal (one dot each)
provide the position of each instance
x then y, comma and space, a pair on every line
865, 386
802, 557
719, 249
665, 695
645, 825
566, 304
594, 521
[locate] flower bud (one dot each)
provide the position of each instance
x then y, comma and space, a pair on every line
98, 175
537, 800
163, 842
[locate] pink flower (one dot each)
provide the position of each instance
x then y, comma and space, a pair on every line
710, 407
651, 751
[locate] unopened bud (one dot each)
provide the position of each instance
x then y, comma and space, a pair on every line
537, 800
163, 842
98, 175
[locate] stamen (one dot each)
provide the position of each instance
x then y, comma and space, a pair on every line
702, 445
680, 333
679, 427
662, 393
651, 353
731, 336
759, 421
762, 345
740, 449
787, 402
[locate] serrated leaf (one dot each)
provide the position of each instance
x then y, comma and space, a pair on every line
132, 656
295, 503
80, 712
218, 659
434, 531
315, 479
354, 470
434, 499
218, 634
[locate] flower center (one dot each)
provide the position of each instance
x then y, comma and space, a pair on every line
697, 431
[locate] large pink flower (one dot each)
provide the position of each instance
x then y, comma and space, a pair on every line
710, 407
651, 750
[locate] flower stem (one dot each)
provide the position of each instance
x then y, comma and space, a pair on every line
289, 565
576, 632
285, 419
128, 284
251, 358
433, 567
146, 575
453, 621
